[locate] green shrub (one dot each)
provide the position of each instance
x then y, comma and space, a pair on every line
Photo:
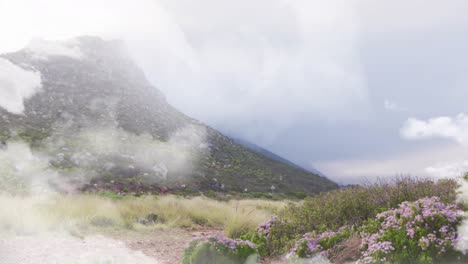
318, 244
5, 135
34, 136
260, 240
351, 207
216, 250
269, 242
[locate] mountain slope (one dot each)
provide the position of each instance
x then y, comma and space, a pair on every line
96, 114
274, 156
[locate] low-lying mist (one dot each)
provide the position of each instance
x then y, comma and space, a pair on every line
110, 149
35, 182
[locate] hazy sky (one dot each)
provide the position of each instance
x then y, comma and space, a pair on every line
356, 88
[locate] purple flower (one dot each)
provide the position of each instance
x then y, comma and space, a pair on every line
309, 244
427, 221
221, 241
264, 229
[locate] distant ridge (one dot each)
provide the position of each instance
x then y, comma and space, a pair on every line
276, 157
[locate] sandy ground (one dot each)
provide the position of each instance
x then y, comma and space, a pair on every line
63, 249
108, 247
167, 246
116, 247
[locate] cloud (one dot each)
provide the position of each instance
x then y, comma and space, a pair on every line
107, 148
455, 128
24, 172
32, 232
16, 85
448, 169
435, 162
41, 49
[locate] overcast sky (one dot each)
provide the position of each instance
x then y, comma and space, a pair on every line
355, 88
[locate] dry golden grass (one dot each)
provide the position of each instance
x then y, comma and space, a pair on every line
94, 211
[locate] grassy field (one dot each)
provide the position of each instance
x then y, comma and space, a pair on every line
150, 212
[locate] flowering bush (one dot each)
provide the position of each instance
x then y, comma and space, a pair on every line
218, 249
265, 228
352, 206
318, 245
423, 231
270, 236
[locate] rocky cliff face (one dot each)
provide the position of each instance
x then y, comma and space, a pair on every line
94, 114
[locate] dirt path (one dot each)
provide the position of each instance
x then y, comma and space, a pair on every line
167, 246
107, 247
59, 248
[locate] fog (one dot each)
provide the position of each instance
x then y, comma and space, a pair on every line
30, 233
16, 85
97, 149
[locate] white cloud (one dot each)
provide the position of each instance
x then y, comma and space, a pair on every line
448, 169
436, 162
455, 129
16, 85
42, 49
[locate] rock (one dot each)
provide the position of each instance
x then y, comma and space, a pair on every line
150, 219
143, 221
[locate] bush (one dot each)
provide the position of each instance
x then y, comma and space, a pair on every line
261, 237
215, 250
417, 232
351, 207
318, 245
271, 237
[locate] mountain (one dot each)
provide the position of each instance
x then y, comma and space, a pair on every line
274, 156
87, 107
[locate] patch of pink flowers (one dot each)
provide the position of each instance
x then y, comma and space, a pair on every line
309, 246
428, 222
233, 244
264, 229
